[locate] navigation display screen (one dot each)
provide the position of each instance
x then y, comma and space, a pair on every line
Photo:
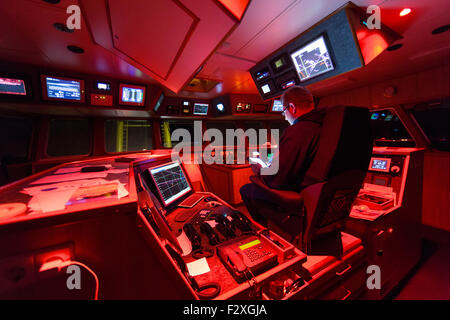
312, 59
12, 86
63, 89
132, 95
170, 182
201, 109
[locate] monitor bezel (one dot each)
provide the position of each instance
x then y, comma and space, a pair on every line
45, 92
161, 198
200, 114
132, 86
330, 53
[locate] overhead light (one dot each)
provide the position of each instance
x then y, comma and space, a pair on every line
405, 12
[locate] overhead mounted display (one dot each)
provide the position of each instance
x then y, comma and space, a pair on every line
336, 45
312, 59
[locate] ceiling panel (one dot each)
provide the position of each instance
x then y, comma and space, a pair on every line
150, 29
260, 14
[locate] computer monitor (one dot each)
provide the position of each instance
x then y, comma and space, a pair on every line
312, 59
201, 109
12, 86
63, 89
170, 181
277, 106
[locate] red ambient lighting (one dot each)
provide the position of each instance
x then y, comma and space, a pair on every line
405, 12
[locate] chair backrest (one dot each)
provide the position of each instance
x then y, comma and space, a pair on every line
337, 173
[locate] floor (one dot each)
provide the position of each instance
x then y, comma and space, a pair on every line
430, 279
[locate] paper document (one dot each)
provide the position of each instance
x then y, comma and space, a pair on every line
198, 267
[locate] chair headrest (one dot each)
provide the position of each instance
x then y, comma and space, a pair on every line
345, 143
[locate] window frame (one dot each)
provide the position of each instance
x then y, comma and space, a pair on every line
152, 123
394, 110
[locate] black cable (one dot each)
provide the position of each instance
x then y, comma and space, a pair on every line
210, 285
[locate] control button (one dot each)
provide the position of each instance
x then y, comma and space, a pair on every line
395, 169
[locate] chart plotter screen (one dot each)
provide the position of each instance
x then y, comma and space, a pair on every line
170, 182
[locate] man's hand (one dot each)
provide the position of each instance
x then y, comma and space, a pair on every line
256, 168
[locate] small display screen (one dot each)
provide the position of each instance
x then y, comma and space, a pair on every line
261, 75
159, 102
277, 106
312, 60
288, 84
265, 89
279, 63
132, 95
379, 164
170, 182
103, 86
201, 109
12, 86
65, 89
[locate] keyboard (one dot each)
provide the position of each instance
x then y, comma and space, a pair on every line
191, 201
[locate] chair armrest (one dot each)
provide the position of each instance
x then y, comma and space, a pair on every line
290, 200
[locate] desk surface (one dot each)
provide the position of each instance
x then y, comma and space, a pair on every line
65, 188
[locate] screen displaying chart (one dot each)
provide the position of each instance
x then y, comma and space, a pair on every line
312, 59
170, 182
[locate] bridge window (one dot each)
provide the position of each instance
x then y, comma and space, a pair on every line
16, 133
169, 126
128, 135
222, 126
388, 130
69, 137
433, 118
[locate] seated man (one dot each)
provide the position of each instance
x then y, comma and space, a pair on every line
297, 148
